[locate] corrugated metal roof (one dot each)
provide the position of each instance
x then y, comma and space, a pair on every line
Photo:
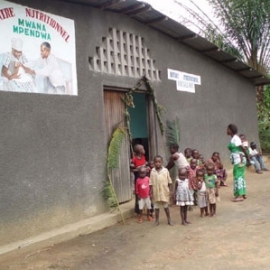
144, 13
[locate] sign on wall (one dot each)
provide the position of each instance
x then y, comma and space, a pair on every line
184, 81
37, 51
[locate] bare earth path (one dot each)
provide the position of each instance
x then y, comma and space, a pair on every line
237, 238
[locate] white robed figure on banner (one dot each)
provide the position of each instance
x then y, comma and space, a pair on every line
13, 69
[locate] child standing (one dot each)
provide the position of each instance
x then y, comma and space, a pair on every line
221, 175
177, 159
137, 161
212, 185
192, 182
151, 166
183, 195
201, 158
188, 154
202, 195
142, 192
196, 155
160, 188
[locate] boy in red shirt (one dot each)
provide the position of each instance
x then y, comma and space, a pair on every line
142, 192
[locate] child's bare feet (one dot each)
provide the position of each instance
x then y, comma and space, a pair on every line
187, 222
184, 224
156, 223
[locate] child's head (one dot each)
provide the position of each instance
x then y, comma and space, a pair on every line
253, 145
188, 152
199, 174
215, 156
182, 174
158, 161
142, 171
201, 158
193, 163
195, 154
210, 168
242, 137
174, 148
151, 164
139, 149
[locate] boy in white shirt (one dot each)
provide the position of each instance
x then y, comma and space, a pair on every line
256, 157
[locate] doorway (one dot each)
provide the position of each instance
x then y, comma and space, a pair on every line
139, 121
141, 127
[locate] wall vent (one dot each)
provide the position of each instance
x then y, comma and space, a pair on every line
124, 54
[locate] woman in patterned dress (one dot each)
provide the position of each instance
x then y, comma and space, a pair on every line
236, 148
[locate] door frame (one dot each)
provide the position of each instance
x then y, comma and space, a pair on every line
151, 117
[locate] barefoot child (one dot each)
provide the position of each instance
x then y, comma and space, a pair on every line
202, 195
192, 182
212, 185
151, 166
196, 155
201, 158
160, 188
183, 195
221, 175
142, 192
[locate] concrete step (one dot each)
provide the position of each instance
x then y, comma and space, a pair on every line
68, 232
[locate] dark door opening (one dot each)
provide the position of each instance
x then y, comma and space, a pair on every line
139, 122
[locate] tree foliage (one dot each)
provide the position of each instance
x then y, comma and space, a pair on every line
173, 132
263, 109
243, 28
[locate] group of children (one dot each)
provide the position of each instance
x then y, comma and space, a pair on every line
197, 183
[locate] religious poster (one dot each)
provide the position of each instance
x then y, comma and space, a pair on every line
184, 81
37, 51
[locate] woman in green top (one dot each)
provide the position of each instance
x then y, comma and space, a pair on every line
236, 149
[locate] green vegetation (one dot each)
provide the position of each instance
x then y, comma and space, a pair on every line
263, 109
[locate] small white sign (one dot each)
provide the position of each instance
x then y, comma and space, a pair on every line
185, 86
184, 81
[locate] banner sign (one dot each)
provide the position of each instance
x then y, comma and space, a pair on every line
37, 51
184, 81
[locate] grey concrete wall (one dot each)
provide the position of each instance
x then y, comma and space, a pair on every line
53, 148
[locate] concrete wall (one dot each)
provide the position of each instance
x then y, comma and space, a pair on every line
53, 148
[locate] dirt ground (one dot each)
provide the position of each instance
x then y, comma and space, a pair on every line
237, 238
